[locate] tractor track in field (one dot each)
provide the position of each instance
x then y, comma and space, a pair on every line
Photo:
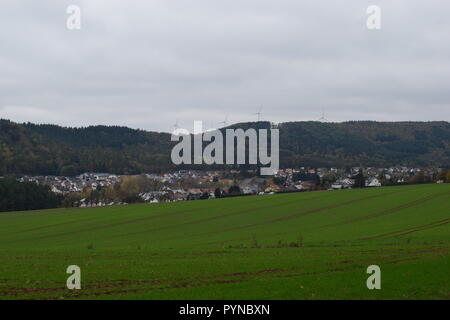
277, 205
126, 286
110, 225
388, 211
212, 218
293, 216
50, 226
402, 232
375, 215
97, 218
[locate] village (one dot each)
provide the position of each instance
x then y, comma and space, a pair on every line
197, 185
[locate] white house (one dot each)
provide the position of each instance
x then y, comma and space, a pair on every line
373, 182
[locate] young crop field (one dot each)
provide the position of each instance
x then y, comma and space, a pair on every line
312, 245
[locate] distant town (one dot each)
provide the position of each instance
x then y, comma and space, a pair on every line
105, 189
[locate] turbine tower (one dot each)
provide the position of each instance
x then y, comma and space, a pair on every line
176, 126
259, 113
225, 122
322, 118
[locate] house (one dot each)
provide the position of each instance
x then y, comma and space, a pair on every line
250, 189
56, 190
346, 183
272, 188
308, 185
336, 186
373, 182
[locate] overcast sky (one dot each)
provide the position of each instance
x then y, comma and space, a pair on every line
145, 64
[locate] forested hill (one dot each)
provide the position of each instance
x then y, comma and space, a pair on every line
367, 143
49, 149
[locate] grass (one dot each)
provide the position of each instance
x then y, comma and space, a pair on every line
314, 245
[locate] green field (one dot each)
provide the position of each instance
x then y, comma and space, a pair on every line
314, 245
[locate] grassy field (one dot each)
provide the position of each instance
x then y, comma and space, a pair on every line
314, 245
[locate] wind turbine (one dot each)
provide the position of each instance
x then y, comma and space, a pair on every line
225, 122
176, 126
211, 127
259, 113
322, 118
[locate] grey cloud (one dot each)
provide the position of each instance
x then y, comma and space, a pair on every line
145, 64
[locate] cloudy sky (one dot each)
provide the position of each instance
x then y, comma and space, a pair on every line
147, 64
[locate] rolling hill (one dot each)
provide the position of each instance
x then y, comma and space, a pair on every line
314, 245
53, 150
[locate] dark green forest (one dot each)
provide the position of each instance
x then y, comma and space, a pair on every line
53, 150
17, 196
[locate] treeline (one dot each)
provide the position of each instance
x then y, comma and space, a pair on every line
131, 188
443, 177
54, 150
126, 191
365, 143
18, 196
360, 178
